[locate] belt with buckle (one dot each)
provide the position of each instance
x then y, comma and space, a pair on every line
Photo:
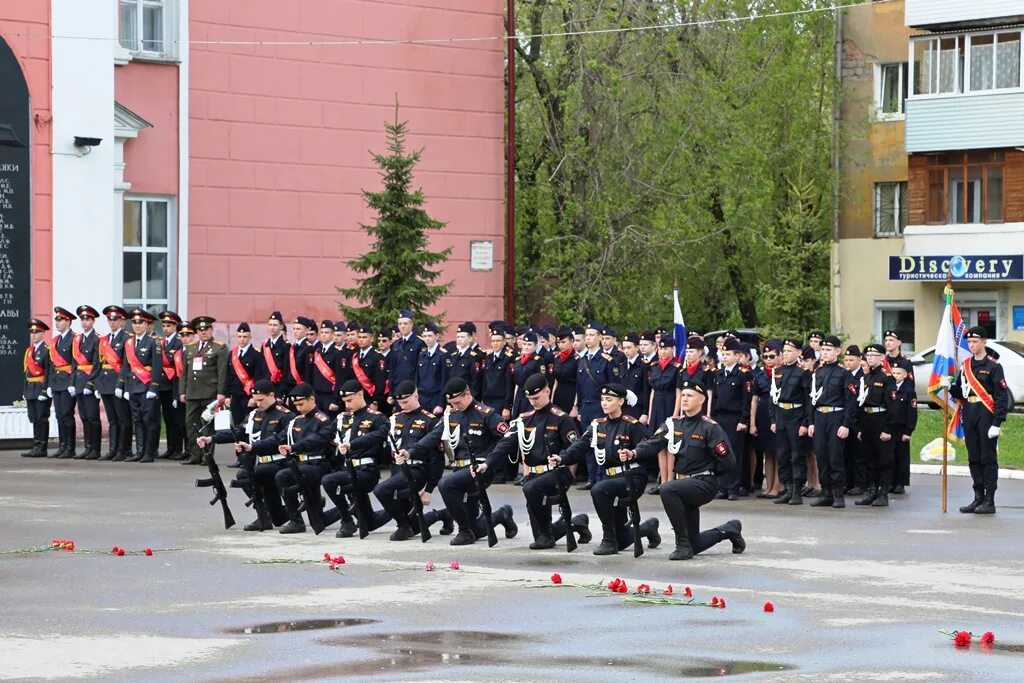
538, 469
264, 459
830, 409
612, 471
86, 368
35, 380
679, 475
108, 366
303, 457
874, 409
62, 368
359, 462
414, 462
462, 463
790, 406
974, 399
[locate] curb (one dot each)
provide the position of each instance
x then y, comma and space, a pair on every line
962, 471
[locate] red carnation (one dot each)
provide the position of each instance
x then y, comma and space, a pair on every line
668, 590
120, 552
721, 603
622, 587
987, 638
769, 607
687, 592
613, 585
962, 639
643, 588
114, 550
556, 578
714, 601
149, 552
327, 556
70, 545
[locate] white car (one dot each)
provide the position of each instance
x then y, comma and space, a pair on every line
1011, 357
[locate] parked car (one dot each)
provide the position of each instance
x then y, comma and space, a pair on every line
1011, 357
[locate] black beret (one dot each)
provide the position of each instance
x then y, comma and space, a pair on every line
853, 350
522, 329
276, 315
577, 329
430, 326
631, 337
351, 387
263, 386
496, 325
616, 390
831, 340
661, 331
695, 343
301, 390
305, 322
666, 342
773, 345
695, 386
455, 387
792, 341
609, 332
745, 349
891, 333
817, 335
977, 332
467, 327
876, 348
327, 325
405, 389
342, 326
403, 313
530, 337
243, 327
534, 384
647, 335
905, 365
732, 344
384, 332
594, 325
807, 353
564, 333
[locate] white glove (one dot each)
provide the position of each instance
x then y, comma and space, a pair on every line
993, 432
944, 382
150, 394
174, 403
87, 391
118, 392
49, 392
126, 396
42, 397
71, 390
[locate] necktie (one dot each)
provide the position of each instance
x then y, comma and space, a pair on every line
202, 345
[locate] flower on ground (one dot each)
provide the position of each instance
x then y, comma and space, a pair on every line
120, 552
556, 578
721, 603
714, 601
429, 566
687, 592
149, 552
987, 638
643, 588
454, 564
962, 639
113, 551
769, 607
668, 590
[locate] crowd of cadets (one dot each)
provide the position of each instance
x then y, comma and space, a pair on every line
798, 421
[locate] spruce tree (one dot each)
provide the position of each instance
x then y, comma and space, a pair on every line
398, 265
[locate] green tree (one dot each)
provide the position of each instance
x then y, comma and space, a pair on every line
398, 266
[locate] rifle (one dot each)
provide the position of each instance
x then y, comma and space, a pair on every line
359, 497
310, 495
485, 501
256, 500
414, 496
214, 480
566, 510
634, 514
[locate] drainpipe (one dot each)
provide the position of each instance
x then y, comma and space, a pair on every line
510, 165
837, 307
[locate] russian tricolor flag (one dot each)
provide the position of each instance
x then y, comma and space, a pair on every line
951, 350
679, 327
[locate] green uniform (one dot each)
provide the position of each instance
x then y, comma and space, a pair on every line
204, 378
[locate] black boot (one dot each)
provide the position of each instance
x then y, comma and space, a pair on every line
447, 525
543, 541
464, 537
733, 530
979, 497
988, 504
503, 516
823, 500
649, 529
96, 432
683, 549
261, 523
838, 501
869, 497
295, 524
581, 525
609, 546
124, 442
71, 433
403, 533
786, 496
42, 435
880, 501
112, 447
348, 527
795, 497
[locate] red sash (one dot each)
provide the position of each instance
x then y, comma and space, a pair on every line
56, 359
361, 375
32, 368
326, 370
268, 356
978, 388
172, 367
138, 369
179, 362
293, 367
80, 358
243, 376
109, 355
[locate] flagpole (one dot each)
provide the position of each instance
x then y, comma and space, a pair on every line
948, 291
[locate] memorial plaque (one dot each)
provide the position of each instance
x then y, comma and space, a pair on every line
15, 224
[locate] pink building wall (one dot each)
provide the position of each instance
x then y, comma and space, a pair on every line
151, 91
26, 28
280, 139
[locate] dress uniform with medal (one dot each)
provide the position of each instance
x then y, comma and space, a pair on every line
203, 381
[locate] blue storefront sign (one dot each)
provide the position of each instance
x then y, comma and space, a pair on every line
1001, 267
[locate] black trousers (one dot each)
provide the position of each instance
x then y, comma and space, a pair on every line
790, 447
239, 408
338, 484
324, 399
730, 481
146, 420
311, 471
611, 499
878, 455
856, 466
119, 419
682, 499
194, 408
458, 490
901, 470
981, 450
266, 479
830, 450
539, 489
393, 493
38, 411
174, 420
64, 409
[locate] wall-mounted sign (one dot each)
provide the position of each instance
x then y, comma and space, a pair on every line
481, 255
1001, 267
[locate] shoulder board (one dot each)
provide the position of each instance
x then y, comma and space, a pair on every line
606, 356
474, 352
372, 411
630, 419
284, 409
676, 364
320, 416
602, 420
556, 411
508, 352
538, 357
707, 419
744, 368
527, 414
214, 342
453, 352
480, 407
427, 413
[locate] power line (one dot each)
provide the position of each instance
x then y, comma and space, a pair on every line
476, 39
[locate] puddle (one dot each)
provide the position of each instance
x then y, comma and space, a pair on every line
297, 625
394, 642
695, 668
1016, 648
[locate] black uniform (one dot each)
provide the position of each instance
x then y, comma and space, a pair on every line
141, 391
310, 437
62, 376
879, 455
856, 466
171, 409
367, 366
426, 465
980, 413
834, 400
703, 452
269, 430
108, 383
730, 407
563, 370
366, 432
789, 410
523, 368
497, 387
297, 371
634, 378
85, 350
321, 373
612, 434
552, 431
902, 420
37, 402
466, 365
273, 365
239, 390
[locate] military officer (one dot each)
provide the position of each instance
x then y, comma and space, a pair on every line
37, 402
173, 410
634, 378
594, 369
465, 361
730, 407
85, 351
300, 351
431, 373
496, 376
384, 338
309, 439
834, 395
873, 390
141, 377
274, 356
563, 369
321, 373
612, 440
789, 409
406, 349
243, 369
260, 435
556, 431
204, 379
61, 381
108, 385
700, 449
981, 389
365, 365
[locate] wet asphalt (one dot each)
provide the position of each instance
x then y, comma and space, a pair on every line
859, 594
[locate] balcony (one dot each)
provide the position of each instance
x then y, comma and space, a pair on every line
965, 122
942, 15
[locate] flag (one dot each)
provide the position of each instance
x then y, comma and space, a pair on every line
950, 350
679, 327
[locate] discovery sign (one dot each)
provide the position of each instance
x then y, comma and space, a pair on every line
1002, 267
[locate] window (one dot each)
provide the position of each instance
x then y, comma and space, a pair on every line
899, 316
890, 209
148, 256
147, 28
965, 187
975, 62
892, 90
938, 65
995, 61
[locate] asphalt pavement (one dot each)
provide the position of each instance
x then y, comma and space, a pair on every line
859, 594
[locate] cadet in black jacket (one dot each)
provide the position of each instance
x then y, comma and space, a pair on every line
309, 438
834, 400
261, 433
701, 450
409, 427
37, 403
634, 378
496, 376
874, 389
60, 382
362, 434
981, 389
611, 439
468, 432
466, 360
85, 350
901, 422
533, 436
563, 370
788, 409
